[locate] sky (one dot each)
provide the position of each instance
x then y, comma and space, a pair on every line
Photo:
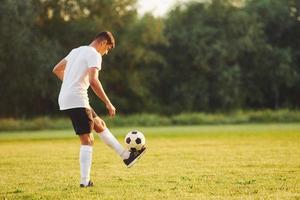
157, 7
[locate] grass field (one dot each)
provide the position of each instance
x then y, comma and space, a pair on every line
187, 162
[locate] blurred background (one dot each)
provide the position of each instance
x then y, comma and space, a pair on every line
182, 60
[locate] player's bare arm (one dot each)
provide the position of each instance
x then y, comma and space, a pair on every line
59, 69
99, 91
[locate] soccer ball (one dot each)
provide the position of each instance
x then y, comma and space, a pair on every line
135, 140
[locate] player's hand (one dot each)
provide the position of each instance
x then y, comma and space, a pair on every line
111, 109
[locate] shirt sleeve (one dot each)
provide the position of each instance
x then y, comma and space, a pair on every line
67, 58
94, 60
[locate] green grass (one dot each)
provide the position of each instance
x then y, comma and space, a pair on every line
182, 162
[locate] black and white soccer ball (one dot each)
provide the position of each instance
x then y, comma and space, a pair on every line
135, 140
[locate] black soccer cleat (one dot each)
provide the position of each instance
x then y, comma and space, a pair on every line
134, 157
90, 184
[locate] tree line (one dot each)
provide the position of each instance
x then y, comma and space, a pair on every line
213, 56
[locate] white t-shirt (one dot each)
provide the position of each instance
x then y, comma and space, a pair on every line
73, 92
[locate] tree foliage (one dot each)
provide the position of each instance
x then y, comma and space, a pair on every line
208, 56
222, 57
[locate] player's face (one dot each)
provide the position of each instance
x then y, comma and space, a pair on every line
104, 48
108, 47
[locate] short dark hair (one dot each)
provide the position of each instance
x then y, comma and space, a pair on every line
106, 35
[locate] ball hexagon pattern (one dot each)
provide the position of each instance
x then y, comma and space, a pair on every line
135, 140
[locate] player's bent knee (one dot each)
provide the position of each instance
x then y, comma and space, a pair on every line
99, 125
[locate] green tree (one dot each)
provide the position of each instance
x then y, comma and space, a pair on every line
134, 79
274, 68
24, 62
222, 56
205, 41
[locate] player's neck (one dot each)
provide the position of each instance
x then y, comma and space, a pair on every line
95, 45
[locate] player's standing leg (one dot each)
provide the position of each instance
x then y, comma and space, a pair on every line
82, 121
85, 159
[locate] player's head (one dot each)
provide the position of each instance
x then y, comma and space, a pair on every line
105, 41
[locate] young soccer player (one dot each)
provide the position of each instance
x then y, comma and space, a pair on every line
77, 71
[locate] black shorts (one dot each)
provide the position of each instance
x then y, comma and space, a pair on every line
82, 119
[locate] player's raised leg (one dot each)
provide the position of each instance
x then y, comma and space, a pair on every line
108, 138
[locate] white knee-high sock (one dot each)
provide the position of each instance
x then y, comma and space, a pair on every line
110, 140
85, 158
